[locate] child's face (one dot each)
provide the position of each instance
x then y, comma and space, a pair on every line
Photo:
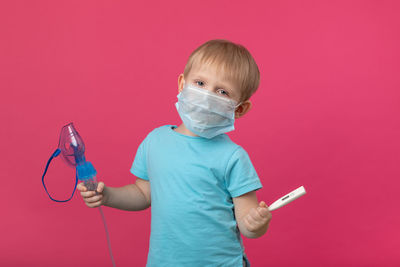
205, 77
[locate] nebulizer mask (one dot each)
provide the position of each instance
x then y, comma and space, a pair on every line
205, 113
72, 149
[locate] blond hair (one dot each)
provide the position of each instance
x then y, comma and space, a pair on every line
233, 60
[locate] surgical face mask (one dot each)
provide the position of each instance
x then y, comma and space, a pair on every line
205, 113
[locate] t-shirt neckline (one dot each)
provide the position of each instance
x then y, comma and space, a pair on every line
196, 138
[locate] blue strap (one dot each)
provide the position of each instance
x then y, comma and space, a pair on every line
55, 154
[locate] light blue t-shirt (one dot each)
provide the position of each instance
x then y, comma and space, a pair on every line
193, 180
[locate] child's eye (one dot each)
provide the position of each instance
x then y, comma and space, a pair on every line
200, 83
222, 92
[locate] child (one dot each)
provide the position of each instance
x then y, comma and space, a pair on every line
200, 184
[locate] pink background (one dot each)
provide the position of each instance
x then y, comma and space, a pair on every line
326, 116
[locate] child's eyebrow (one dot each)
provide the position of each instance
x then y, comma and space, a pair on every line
200, 77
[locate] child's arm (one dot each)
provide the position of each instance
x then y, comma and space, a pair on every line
252, 218
131, 197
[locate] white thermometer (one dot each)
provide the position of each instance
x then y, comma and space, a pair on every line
295, 194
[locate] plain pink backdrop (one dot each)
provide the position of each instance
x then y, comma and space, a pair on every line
326, 116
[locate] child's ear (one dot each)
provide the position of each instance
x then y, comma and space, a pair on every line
243, 109
180, 82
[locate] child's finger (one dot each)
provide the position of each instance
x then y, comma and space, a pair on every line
90, 205
249, 222
94, 199
263, 212
262, 204
263, 209
88, 194
94, 205
97, 204
81, 187
255, 215
100, 187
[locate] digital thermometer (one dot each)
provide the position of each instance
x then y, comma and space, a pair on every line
295, 194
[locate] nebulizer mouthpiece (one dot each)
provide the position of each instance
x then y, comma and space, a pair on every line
72, 150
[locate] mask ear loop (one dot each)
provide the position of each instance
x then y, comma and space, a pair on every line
55, 154
238, 105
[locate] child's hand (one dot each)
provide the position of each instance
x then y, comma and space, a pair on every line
258, 218
93, 199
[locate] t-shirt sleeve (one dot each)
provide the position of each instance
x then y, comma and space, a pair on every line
139, 165
241, 177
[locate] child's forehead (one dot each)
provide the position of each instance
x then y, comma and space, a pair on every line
211, 71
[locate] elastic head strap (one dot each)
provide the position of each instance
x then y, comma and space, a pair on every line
55, 154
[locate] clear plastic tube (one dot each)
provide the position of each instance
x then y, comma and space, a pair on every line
107, 235
91, 185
